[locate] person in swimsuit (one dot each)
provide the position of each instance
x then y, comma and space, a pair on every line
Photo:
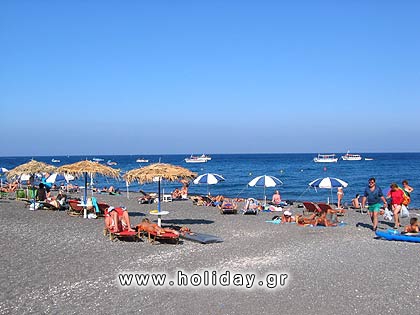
340, 195
413, 227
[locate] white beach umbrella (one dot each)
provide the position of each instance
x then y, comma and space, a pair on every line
328, 183
265, 181
2, 171
209, 179
55, 177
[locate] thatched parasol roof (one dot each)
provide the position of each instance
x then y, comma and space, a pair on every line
165, 171
31, 167
79, 168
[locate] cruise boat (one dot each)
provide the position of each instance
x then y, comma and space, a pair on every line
196, 159
325, 158
142, 160
55, 161
351, 157
110, 163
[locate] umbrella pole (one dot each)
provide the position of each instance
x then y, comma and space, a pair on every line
128, 196
85, 198
159, 195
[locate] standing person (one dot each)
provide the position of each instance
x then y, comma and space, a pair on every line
397, 197
408, 189
340, 195
373, 194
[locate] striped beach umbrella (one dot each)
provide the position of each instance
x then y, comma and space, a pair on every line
328, 182
209, 179
265, 181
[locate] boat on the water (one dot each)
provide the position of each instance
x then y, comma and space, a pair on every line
142, 160
111, 163
206, 157
368, 159
325, 158
97, 159
55, 161
351, 157
196, 159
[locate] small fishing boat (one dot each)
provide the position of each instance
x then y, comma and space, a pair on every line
351, 157
325, 158
142, 160
195, 159
55, 161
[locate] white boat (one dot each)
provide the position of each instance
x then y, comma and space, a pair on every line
368, 159
97, 160
351, 157
142, 160
206, 157
195, 159
325, 158
55, 161
111, 162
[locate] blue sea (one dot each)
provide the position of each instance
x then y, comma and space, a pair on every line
294, 170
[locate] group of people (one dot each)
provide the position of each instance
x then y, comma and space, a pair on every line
180, 193
374, 197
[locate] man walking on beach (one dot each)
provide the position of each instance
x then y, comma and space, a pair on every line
373, 194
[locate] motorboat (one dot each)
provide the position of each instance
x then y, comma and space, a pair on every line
325, 158
97, 160
55, 161
196, 159
142, 160
110, 163
368, 159
351, 157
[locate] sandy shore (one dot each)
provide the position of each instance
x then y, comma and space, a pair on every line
54, 263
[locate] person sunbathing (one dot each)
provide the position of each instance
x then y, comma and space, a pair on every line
228, 204
176, 194
311, 220
117, 219
153, 228
287, 217
355, 202
413, 227
11, 187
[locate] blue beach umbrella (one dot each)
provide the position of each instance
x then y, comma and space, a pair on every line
328, 183
55, 177
209, 179
265, 181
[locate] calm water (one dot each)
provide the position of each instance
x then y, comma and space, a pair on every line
295, 170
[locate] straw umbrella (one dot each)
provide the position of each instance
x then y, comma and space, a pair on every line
88, 167
31, 168
157, 172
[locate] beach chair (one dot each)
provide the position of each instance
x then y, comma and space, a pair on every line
152, 237
74, 208
228, 207
251, 207
327, 208
311, 206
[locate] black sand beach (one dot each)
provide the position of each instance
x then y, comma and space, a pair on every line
59, 264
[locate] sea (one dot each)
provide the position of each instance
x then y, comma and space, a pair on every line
296, 171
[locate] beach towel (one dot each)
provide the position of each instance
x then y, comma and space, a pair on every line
95, 204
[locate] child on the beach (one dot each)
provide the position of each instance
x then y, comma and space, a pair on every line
413, 227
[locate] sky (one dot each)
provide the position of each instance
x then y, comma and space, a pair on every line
181, 77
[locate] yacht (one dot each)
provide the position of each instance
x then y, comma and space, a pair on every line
206, 157
142, 160
325, 158
110, 163
55, 161
97, 160
351, 157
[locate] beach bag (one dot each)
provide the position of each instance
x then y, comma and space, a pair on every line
404, 212
388, 215
406, 200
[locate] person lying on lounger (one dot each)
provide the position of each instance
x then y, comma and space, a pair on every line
117, 219
153, 228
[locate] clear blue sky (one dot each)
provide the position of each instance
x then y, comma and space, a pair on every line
139, 77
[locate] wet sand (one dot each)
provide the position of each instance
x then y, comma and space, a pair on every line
55, 263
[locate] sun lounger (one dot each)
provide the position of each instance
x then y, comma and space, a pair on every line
228, 207
74, 208
122, 235
327, 208
251, 207
311, 206
153, 236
